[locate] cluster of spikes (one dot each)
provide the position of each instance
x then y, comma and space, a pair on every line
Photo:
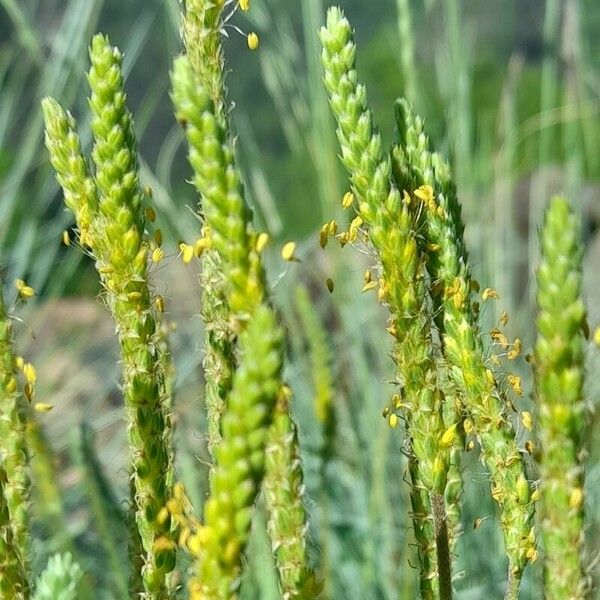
453, 395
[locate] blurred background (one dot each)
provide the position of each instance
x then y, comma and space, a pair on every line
510, 90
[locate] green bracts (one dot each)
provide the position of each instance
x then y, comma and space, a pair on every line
559, 369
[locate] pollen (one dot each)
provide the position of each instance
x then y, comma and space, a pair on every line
288, 252
347, 200
253, 41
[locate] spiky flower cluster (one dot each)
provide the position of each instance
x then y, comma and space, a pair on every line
559, 364
443, 243
391, 231
236, 295
111, 221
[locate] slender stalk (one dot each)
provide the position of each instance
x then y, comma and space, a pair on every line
440, 523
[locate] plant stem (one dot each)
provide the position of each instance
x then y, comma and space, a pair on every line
438, 509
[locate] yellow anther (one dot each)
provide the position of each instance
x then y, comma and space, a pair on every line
30, 373
504, 318
529, 446
516, 384
11, 385
66, 238
163, 515
532, 554
448, 436
261, 241
516, 349
157, 255
134, 296
253, 41
369, 286
43, 407
158, 238
19, 362
324, 235
527, 420
184, 536
288, 250
25, 291
576, 498
347, 200
163, 543
187, 252
174, 506
382, 291
343, 238
332, 227
535, 495
159, 303
356, 223
393, 420
470, 445
498, 337
425, 193
468, 426
245, 5
200, 245
330, 285
490, 293
150, 214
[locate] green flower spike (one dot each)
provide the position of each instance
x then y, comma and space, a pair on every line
201, 31
391, 226
13, 579
118, 225
478, 390
14, 455
218, 182
239, 462
228, 220
559, 365
283, 488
